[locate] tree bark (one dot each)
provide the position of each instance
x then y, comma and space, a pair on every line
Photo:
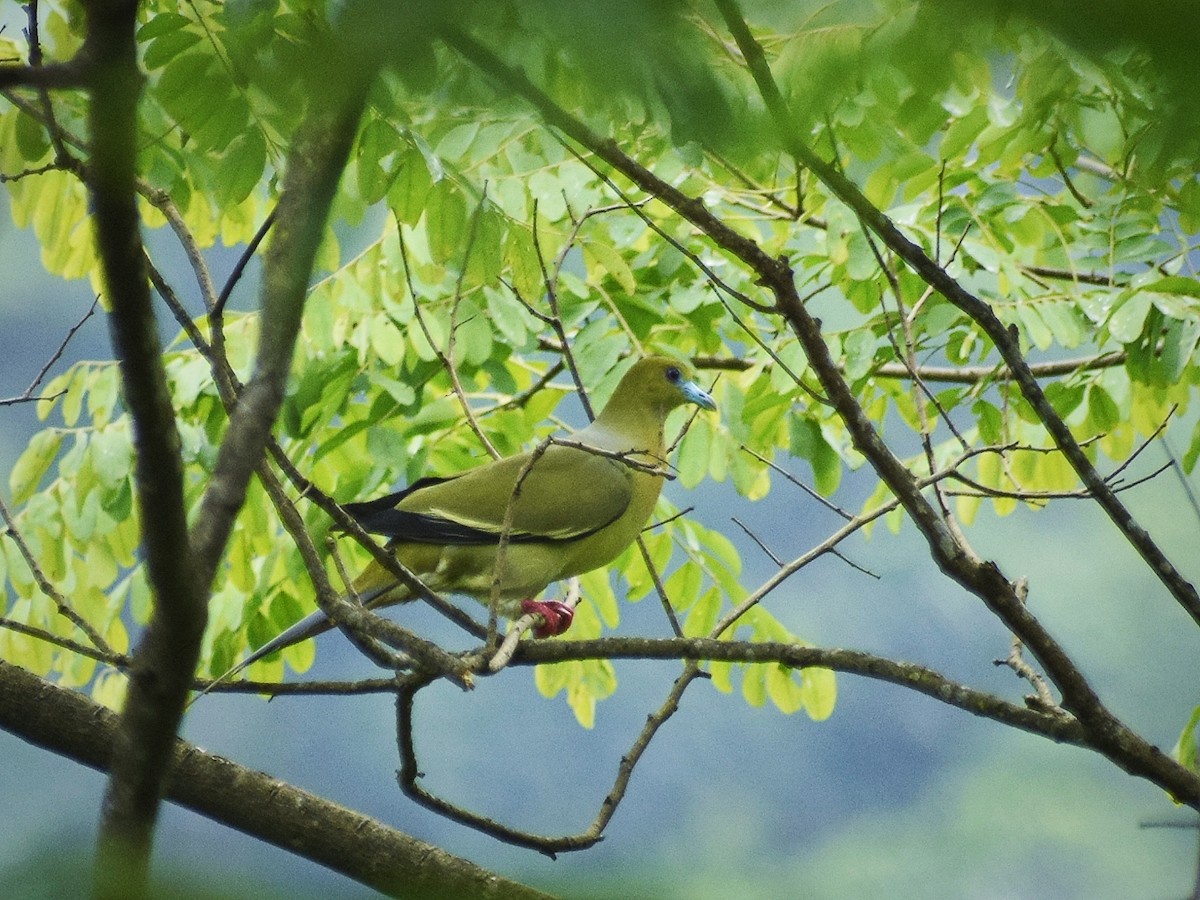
361, 848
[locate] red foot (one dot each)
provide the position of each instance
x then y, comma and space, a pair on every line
557, 616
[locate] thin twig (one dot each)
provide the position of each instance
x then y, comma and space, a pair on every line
754, 537
235, 276
57, 355
446, 358
659, 587
824, 501
60, 602
1016, 658
117, 660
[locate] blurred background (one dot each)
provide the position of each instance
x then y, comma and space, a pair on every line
895, 795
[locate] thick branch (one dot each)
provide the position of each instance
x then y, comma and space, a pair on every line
54, 76
67, 723
166, 658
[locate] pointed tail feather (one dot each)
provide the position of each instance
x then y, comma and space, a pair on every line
310, 626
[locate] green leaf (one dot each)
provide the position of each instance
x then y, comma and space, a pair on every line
32, 464
167, 46
243, 164
1188, 205
32, 139
859, 349
702, 617
161, 23
378, 140
1125, 323
103, 392
446, 222
782, 688
550, 678
179, 87
457, 140
521, 255
1185, 748
387, 341
694, 453
1193, 450
410, 187
808, 442
754, 685
597, 587
1103, 412
1037, 330
962, 132
1065, 323
508, 316
683, 585
604, 258
820, 693
109, 689
473, 334
112, 456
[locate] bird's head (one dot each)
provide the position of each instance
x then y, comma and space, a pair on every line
659, 384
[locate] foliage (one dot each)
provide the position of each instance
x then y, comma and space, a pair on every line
1040, 173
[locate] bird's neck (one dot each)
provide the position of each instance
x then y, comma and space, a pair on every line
628, 427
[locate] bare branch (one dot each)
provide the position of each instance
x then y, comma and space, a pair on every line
28, 396
69, 724
659, 588
235, 276
166, 657
60, 602
1016, 659
446, 358
71, 75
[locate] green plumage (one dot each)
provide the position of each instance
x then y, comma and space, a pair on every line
575, 510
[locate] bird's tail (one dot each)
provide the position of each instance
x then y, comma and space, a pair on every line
310, 626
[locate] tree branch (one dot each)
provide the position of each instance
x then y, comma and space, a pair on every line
361, 848
56, 76
166, 657
981, 578
935, 276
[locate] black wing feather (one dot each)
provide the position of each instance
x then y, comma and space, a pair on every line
422, 528
380, 516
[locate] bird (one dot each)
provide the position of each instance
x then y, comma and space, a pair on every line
576, 506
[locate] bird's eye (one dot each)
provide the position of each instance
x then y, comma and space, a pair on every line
673, 375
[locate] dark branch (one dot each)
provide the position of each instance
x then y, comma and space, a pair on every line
166, 657
361, 848
935, 276
56, 76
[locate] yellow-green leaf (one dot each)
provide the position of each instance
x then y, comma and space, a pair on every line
31, 465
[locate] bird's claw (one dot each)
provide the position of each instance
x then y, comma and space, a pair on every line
556, 616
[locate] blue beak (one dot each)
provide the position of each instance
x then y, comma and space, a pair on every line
693, 393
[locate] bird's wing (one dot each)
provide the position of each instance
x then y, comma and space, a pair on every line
567, 494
